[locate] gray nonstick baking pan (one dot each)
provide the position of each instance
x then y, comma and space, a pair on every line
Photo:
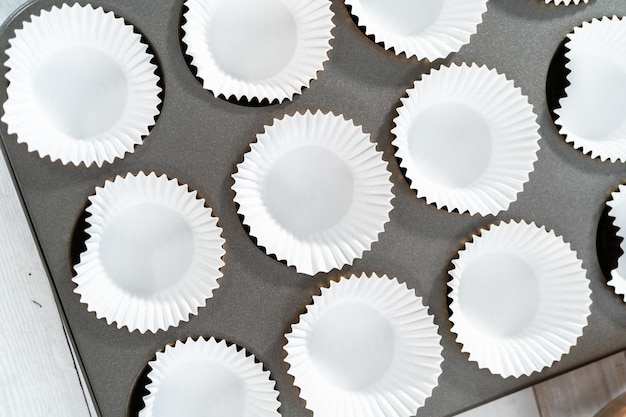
199, 139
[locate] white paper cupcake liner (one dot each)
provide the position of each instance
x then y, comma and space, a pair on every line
314, 191
618, 276
566, 2
365, 346
81, 86
591, 115
425, 29
467, 138
263, 49
520, 298
208, 378
617, 210
153, 255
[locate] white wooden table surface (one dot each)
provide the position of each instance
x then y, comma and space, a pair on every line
38, 376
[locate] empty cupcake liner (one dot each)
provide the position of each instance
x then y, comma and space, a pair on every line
425, 29
618, 277
468, 139
81, 88
520, 298
314, 191
365, 346
591, 114
263, 49
153, 255
205, 377
617, 210
566, 2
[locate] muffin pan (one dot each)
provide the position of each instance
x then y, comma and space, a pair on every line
199, 139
